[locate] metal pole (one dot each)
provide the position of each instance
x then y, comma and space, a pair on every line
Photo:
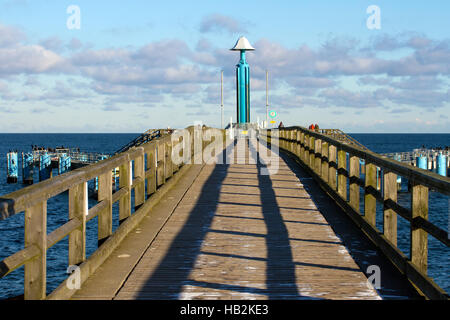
267, 98
221, 100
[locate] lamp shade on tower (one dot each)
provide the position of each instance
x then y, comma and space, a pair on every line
242, 44
242, 81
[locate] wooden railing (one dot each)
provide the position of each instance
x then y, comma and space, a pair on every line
326, 159
32, 200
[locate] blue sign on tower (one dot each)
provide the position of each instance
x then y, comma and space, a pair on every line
243, 82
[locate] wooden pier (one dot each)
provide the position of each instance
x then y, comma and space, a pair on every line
228, 231
236, 234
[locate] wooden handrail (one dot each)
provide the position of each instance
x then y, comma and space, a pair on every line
413, 174
33, 200
325, 158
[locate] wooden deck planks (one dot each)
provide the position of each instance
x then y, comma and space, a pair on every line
240, 235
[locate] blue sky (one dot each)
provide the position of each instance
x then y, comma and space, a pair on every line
142, 64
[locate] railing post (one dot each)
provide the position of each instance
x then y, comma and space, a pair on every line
342, 179
293, 138
288, 137
176, 167
307, 149
298, 139
419, 237
125, 182
151, 165
370, 202
168, 158
139, 189
105, 217
289, 144
78, 209
354, 186
389, 216
280, 138
324, 171
318, 157
35, 273
161, 161
302, 147
312, 154
332, 163
197, 153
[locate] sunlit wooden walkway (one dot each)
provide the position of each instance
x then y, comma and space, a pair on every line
227, 232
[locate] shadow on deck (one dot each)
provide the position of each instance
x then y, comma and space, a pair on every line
233, 236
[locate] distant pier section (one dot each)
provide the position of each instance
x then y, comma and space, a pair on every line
434, 159
45, 160
63, 159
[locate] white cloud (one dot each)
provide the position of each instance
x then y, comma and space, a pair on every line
27, 59
221, 23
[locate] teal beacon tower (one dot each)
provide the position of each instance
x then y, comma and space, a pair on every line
242, 82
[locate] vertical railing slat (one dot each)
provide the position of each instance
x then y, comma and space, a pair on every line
293, 138
370, 202
139, 190
298, 147
306, 153
35, 272
342, 179
332, 156
151, 165
312, 151
169, 164
105, 217
161, 157
324, 172
318, 157
419, 237
78, 209
354, 186
390, 216
125, 182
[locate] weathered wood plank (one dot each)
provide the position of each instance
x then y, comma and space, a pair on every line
161, 163
266, 237
332, 165
125, 181
324, 172
35, 276
354, 186
342, 179
18, 259
389, 216
419, 237
318, 155
312, 150
105, 217
168, 161
151, 167
370, 202
78, 209
139, 173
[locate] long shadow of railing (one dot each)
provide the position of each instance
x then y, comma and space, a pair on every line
173, 271
393, 285
280, 269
